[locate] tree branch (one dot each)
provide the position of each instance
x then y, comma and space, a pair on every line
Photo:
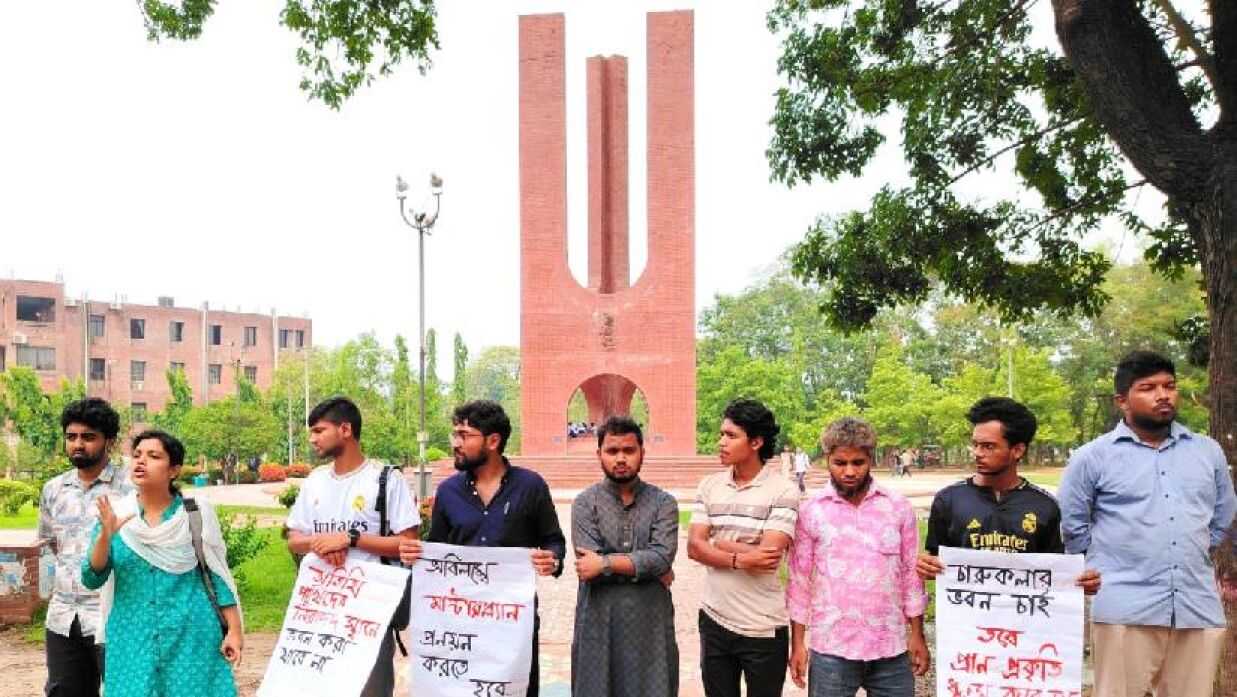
1079, 204
1185, 32
1135, 94
1017, 144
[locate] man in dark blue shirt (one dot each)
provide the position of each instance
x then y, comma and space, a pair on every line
492, 503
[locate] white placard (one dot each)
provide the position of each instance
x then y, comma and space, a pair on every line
336, 620
472, 621
1008, 625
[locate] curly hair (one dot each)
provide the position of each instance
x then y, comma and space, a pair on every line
92, 412
1018, 424
849, 432
756, 420
486, 416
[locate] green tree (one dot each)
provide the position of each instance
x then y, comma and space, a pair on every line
970, 93
404, 399
778, 319
345, 44
731, 374
459, 380
35, 415
495, 375
437, 418
227, 426
900, 402
179, 403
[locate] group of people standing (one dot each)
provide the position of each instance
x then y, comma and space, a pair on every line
1146, 503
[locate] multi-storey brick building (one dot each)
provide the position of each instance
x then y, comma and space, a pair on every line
122, 351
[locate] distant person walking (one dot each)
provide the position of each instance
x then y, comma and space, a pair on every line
788, 461
907, 460
802, 463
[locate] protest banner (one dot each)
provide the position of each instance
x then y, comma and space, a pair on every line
472, 621
335, 622
1008, 625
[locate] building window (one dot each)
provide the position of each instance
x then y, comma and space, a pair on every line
216, 335
39, 358
214, 373
138, 411
2, 368
137, 329
251, 336
98, 369
96, 324
137, 371
251, 373
35, 309
178, 367
291, 338
176, 332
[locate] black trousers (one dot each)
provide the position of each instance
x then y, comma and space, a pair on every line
74, 664
727, 657
534, 670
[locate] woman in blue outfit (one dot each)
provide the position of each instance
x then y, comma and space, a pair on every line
162, 632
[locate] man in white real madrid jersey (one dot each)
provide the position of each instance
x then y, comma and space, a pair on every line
335, 515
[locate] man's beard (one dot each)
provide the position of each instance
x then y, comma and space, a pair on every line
85, 462
847, 492
465, 464
1153, 423
634, 472
332, 453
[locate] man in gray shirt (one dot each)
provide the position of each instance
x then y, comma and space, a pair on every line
67, 513
625, 534
1148, 502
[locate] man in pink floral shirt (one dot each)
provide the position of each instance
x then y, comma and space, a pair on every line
853, 580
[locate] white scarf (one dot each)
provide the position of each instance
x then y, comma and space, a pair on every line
167, 546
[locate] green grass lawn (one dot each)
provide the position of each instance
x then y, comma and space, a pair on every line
269, 578
1045, 477
253, 510
27, 517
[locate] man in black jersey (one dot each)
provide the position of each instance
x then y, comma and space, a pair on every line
996, 509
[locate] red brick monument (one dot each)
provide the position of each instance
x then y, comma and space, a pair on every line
613, 337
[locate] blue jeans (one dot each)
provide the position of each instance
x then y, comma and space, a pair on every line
830, 676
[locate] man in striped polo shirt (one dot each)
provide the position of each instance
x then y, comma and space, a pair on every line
742, 523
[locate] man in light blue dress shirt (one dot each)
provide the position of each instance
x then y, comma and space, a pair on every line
1148, 502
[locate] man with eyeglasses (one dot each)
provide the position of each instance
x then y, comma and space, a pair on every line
996, 509
493, 503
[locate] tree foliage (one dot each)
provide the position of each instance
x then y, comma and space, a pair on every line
35, 415
918, 370
345, 44
970, 92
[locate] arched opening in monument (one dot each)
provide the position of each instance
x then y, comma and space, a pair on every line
595, 400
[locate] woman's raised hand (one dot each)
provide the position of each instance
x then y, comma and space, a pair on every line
108, 519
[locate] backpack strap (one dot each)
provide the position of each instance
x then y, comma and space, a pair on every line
381, 504
384, 529
195, 532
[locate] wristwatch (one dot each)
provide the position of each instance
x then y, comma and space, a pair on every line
354, 537
605, 565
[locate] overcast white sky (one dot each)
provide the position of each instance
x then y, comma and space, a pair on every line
201, 171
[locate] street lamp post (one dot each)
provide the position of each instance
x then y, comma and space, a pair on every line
423, 223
